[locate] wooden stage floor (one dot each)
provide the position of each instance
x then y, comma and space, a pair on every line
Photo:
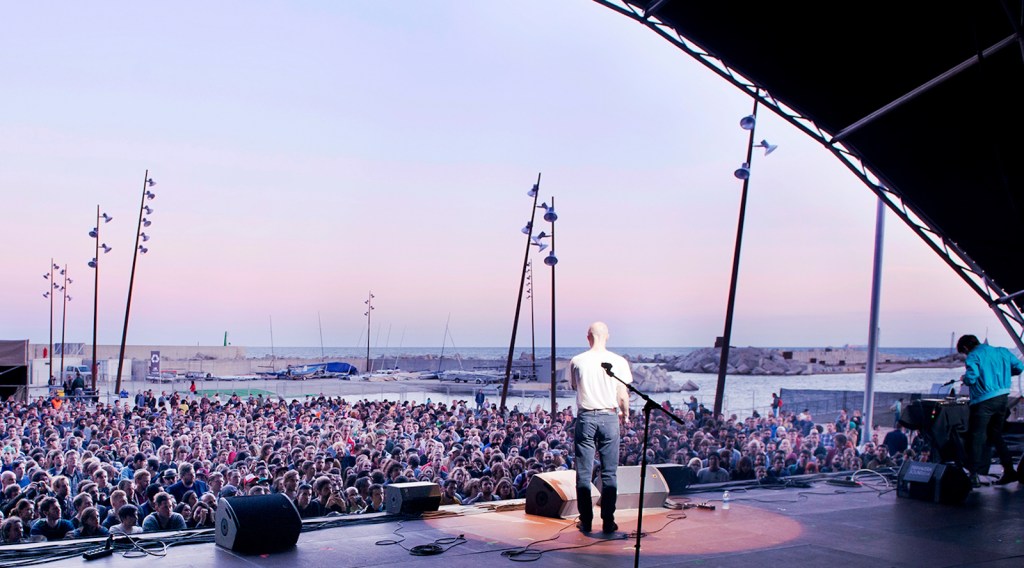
820, 525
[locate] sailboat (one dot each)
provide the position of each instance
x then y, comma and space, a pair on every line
479, 376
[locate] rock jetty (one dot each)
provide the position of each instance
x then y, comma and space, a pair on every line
761, 361
742, 361
654, 378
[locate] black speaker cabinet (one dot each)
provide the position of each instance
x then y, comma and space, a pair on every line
935, 482
628, 480
553, 494
677, 476
411, 498
257, 524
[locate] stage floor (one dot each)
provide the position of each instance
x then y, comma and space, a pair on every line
823, 525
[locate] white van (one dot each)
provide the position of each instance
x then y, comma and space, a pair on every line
70, 370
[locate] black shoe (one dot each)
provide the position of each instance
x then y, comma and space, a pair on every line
975, 482
609, 527
1009, 476
584, 526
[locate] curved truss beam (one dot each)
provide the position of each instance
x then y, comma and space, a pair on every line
1001, 302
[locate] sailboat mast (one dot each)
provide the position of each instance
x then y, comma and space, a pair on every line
321, 324
443, 341
272, 356
369, 309
400, 342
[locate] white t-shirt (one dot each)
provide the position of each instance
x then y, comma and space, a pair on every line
595, 390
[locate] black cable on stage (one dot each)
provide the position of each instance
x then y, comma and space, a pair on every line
439, 546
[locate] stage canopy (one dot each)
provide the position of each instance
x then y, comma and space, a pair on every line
13, 353
922, 100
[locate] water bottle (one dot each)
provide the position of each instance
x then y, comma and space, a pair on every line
725, 499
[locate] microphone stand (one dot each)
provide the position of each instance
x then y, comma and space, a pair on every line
649, 405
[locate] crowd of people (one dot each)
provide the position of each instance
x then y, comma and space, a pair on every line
161, 462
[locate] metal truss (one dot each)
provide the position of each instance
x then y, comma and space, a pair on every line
1001, 302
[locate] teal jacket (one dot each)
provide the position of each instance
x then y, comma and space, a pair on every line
988, 372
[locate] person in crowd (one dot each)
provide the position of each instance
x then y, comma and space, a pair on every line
128, 521
744, 470
485, 494
51, 526
449, 494
988, 372
881, 458
776, 404
11, 530
118, 499
187, 482
202, 516
713, 473
89, 524
603, 402
327, 495
308, 508
376, 503
896, 440
163, 518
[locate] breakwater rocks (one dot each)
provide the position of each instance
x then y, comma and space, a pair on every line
762, 361
742, 361
654, 378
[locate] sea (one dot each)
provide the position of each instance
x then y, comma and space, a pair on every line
742, 394
914, 353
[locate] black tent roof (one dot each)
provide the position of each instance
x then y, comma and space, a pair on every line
925, 98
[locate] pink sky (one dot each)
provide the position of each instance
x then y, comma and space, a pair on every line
306, 154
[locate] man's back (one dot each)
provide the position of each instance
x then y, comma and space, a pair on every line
594, 388
989, 370
896, 441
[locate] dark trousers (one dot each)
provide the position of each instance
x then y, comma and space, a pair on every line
985, 428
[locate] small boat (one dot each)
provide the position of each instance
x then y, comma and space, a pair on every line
327, 370
481, 377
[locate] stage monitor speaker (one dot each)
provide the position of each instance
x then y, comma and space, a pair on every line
257, 524
677, 476
553, 494
937, 482
628, 479
411, 498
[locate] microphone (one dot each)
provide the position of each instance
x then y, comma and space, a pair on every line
608, 369
949, 382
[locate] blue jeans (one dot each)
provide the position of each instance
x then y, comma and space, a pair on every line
597, 432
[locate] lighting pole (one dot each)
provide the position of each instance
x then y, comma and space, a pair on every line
49, 294
95, 265
747, 123
147, 183
551, 260
369, 310
64, 316
533, 327
528, 231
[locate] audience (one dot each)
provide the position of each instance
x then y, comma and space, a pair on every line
78, 470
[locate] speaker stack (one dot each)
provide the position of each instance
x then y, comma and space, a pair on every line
553, 494
257, 524
628, 480
677, 476
936, 482
411, 498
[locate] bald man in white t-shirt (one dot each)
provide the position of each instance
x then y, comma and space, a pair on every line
601, 403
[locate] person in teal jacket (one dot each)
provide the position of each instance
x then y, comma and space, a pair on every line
988, 376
